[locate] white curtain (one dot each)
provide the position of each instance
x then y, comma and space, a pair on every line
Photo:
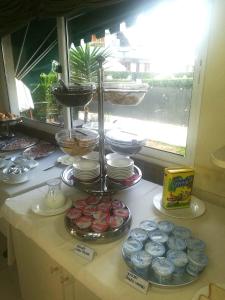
25, 100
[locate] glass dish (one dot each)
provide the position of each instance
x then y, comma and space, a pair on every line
77, 95
122, 93
77, 141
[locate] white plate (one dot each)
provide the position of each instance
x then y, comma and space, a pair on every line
68, 160
40, 208
18, 181
205, 291
3, 163
196, 209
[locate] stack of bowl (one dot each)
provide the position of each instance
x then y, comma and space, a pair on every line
86, 170
120, 169
124, 143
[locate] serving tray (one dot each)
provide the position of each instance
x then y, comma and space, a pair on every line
182, 280
100, 187
104, 237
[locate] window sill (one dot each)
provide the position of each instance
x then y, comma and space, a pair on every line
41, 126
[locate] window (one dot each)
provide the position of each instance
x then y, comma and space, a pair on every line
35, 53
162, 49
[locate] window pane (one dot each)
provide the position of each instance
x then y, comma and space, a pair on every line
35, 51
159, 49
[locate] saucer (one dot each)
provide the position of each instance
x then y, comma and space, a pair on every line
196, 209
205, 291
40, 208
18, 181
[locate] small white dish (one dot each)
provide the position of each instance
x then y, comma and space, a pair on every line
40, 208
15, 181
205, 291
196, 209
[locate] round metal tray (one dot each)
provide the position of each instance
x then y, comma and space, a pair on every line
102, 186
104, 237
182, 280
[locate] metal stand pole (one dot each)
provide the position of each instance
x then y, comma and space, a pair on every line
100, 60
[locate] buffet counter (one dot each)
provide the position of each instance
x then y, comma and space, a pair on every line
104, 276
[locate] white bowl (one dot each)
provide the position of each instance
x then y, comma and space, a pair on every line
86, 169
121, 163
115, 156
92, 156
86, 165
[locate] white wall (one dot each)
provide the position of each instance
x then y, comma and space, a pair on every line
210, 180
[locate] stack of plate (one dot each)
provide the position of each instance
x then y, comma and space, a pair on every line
86, 170
120, 169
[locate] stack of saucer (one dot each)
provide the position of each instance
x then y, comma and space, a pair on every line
86, 170
120, 169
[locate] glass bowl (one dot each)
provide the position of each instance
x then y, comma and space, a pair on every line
77, 95
77, 141
124, 93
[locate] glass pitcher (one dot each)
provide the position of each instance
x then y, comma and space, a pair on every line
54, 197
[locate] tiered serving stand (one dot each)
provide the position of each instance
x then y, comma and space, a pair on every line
104, 185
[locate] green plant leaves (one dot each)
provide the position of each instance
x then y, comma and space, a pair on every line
83, 63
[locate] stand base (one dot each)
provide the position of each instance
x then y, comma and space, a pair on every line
108, 186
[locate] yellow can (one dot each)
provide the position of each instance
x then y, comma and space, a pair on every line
177, 187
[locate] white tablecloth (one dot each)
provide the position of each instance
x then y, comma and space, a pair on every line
105, 274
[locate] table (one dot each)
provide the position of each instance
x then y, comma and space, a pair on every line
104, 276
37, 177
